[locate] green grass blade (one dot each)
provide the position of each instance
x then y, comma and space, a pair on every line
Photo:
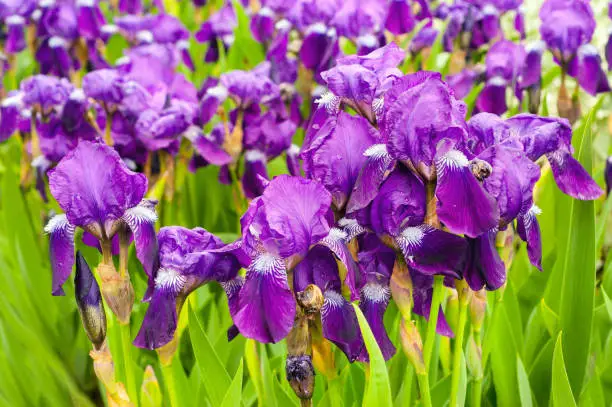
576, 311
378, 389
561, 391
215, 378
233, 396
523, 381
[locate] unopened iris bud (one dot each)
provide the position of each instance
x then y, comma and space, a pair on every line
401, 287
478, 307
481, 169
301, 375
117, 291
150, 394
311, 299
412, 345
474, 358
89, 302
534, 95
568, 106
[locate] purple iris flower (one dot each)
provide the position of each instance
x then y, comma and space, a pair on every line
250, 87
10, 114
220, 26
591, 75
511, 148
54, 57
278, 231
162, 130
319, 48
58, 19
90, 19
188, 259
519, 22
432, 146
130, 6
399, 17
552, 137
15, 40
504, 63
565, 26
43, 93
335, 155
355, 17
262, 24
99, 194
423, 39
359, 81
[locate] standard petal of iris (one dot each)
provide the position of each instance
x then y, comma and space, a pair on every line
463, 204
61, 250
377, 165
93, 185
266, 304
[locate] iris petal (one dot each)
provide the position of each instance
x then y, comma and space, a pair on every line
61, 250
266, 307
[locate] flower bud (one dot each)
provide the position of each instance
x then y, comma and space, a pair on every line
301, 375
568, 107
412, 345
166, 353
89, 302
150, 394
311, 299
478, 308
534, 95
401, 287
474, 358
117, 291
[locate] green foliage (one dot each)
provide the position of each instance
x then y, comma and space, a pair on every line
378, 390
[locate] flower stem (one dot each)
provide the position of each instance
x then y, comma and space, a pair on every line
458, 350
108, 139
34, 137
170, 385
436, 300
126, 344
477, 382
423, 379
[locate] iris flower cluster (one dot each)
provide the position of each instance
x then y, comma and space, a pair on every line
391, 193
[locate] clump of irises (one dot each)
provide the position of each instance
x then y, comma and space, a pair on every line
392, 194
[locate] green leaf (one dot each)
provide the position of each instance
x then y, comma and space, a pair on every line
378, 389
245, 51
523, 381
233, 396
436, 49
215, 378
114, 49
501, 348
561, 391
578, 276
